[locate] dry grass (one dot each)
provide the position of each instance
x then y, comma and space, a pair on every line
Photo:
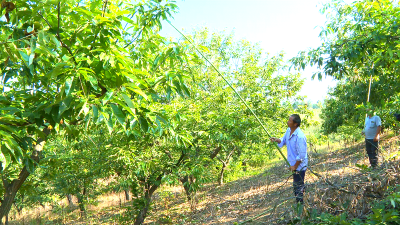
267, 197
109, 206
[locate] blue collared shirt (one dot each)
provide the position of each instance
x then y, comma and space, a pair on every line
296, 148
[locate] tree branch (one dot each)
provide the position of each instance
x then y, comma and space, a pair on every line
17, 124
103, 90
180, 160
5, 181
27, 36
215, 152
45, 19
58, 34
58, 17
104, 8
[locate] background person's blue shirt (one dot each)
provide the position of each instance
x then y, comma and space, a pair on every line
296, 148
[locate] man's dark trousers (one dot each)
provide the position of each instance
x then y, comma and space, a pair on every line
298, 185
372, 151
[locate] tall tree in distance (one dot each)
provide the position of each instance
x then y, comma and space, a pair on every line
360, 43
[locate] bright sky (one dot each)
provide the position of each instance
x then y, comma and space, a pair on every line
277, 25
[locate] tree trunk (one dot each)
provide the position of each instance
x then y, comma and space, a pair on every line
148, 194
221, 174
186, 182
81, 203
70, 202
215, 152
224, 165
12, 188
127, 197
19, 209
186, 185
244, 166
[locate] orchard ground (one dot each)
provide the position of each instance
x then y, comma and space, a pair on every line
256, 199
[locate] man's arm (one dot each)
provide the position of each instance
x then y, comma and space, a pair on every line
274, 139
294, 167
281, 142
378, 131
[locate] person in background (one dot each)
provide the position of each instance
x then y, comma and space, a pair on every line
296, 144
372, 129
397, 115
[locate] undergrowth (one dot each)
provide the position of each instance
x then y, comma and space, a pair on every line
386, 211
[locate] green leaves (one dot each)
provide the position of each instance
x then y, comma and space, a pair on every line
5, 157
128, 101
78, 68
68, 85
11, 143
58, 69
143, 124
29, 164
118, 113
360, 41
132, 87
357, 36
86, 71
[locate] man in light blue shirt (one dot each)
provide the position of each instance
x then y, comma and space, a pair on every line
372, 129
296, 144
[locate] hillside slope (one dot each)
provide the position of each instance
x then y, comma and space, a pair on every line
342, 183
346, 185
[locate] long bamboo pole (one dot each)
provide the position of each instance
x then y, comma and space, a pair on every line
369, 87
